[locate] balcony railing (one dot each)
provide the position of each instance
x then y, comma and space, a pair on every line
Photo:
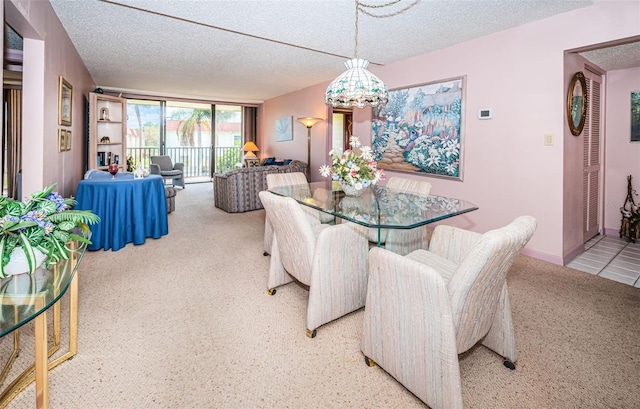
197, 160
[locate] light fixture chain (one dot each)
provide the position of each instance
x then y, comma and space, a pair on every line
357, 7
362, 8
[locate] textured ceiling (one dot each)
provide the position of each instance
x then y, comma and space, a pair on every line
617, 57
252, 50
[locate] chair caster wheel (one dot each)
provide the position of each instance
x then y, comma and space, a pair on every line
311, 334
272, 291
509, 365
369, 361
265, 254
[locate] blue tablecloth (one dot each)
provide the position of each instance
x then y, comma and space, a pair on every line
130, 209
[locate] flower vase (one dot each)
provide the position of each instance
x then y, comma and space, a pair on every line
18, 261
350, 190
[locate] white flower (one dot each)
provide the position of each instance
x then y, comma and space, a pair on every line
325, 170
365, 153
354, 141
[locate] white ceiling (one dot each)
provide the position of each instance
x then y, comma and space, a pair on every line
253, 50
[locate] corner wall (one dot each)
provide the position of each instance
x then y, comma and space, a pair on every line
49, 54
520, 73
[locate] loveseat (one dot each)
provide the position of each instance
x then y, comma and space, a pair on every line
237, 190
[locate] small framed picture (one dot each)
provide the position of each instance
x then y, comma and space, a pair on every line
65, 93
252, 163
62, 136
67, 141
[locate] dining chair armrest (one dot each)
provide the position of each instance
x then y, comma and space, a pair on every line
452, 243
178, 166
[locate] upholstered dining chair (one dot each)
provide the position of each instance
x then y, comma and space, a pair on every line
425, 308
330, 259
404, 241
274, 180
284, 179
163, 166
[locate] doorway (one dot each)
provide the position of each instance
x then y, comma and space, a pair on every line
11, 176
341, 128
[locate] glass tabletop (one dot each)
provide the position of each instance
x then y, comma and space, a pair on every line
18, 293
378, 206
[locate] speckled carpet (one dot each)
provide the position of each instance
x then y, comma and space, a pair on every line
185, 321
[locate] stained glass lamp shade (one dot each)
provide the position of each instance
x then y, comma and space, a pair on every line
356, 87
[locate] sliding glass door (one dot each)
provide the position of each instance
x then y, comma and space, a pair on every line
228, 137
188, 137
184, 131
144, 131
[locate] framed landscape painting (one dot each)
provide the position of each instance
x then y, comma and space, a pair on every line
420, 129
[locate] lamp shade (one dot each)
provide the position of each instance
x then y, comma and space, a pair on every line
308, 121
356, 87
250, 146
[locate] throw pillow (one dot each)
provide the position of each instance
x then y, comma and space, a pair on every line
269, 161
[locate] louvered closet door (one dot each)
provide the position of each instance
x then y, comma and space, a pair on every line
591, 157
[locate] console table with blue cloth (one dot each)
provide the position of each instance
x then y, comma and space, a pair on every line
130, 209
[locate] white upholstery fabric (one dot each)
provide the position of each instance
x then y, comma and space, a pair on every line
425, 308
281, 179
330, 259
294, 178
401, 241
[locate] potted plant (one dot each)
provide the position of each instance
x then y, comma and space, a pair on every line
38, 229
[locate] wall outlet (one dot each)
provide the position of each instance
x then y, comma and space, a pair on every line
548, 139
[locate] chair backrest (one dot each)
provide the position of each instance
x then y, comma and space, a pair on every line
284, 179
163, 161
419, 187
293, 231
476, 285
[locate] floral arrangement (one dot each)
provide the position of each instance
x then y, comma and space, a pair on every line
44, 224
355, 167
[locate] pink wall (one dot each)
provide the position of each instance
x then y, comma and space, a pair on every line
622, 157
508, 171
48, 54
298, 104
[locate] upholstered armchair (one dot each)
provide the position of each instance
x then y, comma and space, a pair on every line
330, 259
237, 190
404, 241
163, 166
425, 308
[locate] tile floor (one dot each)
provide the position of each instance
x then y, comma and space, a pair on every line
610, 257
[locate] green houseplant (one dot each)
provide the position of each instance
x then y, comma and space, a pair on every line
40, 227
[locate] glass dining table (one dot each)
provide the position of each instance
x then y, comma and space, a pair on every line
29, 297
378, 206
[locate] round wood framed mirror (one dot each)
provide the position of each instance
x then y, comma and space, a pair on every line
577, 103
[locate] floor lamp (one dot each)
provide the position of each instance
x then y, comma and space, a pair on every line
309, 122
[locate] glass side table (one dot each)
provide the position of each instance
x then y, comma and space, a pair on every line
27, 297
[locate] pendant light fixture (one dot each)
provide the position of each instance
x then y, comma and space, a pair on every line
356, 87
